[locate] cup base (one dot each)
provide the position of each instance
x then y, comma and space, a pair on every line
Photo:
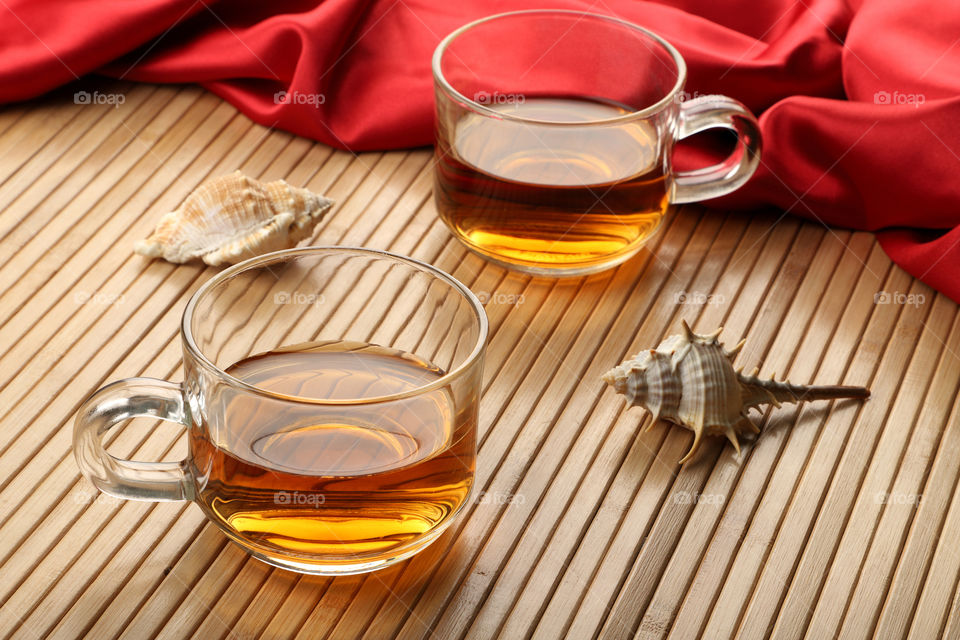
346, 568
556, 271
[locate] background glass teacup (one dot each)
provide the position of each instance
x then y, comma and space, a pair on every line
554, 131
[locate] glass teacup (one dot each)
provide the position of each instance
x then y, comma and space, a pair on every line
330, 397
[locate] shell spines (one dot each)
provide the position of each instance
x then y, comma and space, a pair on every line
758, 391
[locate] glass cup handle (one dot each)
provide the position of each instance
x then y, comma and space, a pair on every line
711, 112
130, 479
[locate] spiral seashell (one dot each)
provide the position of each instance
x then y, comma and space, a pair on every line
234, 217
689, 380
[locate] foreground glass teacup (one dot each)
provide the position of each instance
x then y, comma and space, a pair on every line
330, 396
554, 132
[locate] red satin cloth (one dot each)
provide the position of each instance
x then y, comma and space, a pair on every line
860, 100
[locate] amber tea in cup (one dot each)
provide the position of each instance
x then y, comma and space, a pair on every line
330, 400
389, 474
554, 132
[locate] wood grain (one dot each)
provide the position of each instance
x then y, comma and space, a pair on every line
840, 520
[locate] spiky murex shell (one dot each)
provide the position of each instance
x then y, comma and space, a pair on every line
688, 379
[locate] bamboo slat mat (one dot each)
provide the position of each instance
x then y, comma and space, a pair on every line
840, 519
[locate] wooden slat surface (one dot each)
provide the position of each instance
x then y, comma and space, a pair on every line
839, 520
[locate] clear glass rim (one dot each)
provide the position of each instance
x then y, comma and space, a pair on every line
279, 256
656, 107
